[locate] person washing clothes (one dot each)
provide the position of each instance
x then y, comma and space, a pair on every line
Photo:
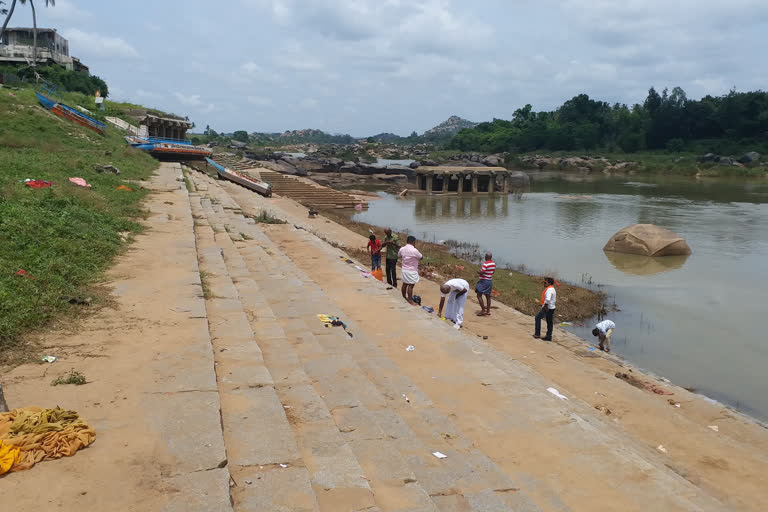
548, 298
456, 291
374, 247
603, 331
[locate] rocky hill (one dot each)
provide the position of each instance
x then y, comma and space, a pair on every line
450, 127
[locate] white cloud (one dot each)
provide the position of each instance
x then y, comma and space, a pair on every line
97, 45
251, 67
141, 93
259, 101
195, 102
64, 10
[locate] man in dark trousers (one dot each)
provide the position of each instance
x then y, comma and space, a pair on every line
392, 245
548, 298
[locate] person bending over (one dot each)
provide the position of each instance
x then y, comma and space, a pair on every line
456, 291
603, 331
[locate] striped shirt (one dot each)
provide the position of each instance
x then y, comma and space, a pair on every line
487, 270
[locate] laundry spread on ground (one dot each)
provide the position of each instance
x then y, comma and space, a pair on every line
124, 188
43, 434
80, 182
24, 273
38, 183
333, 321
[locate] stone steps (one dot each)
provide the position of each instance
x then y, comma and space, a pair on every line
257, 434
362, 389
394, 457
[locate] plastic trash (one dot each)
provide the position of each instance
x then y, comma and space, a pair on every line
440, 455
49, 359
591, 349
661, 448
566, 323
80, 182
283, 465
410, 348
456, 326
715, 428
557, 393
407, 399
428, 309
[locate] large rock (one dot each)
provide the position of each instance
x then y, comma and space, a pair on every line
518, 179
751, 157
493, 160
428, 163
709, 157
648, 240
236, 144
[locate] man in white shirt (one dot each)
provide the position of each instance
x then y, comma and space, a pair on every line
548, 298
603, 331
456, 291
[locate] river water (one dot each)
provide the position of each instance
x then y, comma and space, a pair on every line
699, 320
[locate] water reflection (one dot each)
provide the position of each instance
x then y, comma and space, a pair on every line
644, 265
428, 208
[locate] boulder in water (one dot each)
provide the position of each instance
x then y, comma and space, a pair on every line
648, 240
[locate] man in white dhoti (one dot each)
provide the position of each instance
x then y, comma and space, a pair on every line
456, 291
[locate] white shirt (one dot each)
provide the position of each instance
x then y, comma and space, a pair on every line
456, 285
605, 325
549, 297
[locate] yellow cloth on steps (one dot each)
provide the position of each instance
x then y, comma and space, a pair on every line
43, 434
9, 457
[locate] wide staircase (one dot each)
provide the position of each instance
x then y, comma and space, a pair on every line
303, 191
316, 420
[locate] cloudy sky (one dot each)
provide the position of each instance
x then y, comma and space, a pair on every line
370, 66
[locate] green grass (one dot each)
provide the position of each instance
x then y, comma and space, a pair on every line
654, 163
65, 236
73, 377
265, 217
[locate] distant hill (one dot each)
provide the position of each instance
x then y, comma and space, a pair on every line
449, 127
306, 135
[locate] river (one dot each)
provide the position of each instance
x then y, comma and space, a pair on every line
695, 320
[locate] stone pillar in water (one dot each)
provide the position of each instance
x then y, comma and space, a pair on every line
474, 183
428, 177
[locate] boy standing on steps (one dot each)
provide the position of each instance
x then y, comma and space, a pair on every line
392, 244
374, 247
548, 298
485, 284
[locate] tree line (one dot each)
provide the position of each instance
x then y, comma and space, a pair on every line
669, 121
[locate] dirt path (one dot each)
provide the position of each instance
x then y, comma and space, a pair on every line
151, 394
726, 461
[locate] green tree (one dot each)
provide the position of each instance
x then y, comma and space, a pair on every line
240, 135
8, 13
34, 26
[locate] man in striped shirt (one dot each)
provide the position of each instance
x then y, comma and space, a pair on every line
485, 284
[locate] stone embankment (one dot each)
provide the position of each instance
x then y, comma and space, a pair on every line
213, 387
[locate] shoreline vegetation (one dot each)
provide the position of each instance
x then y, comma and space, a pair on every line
513, 287
57, 242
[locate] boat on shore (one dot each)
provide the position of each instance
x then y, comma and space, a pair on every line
169, 149
260, 187
48, 97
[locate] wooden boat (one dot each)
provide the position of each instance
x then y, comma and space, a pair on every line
260, 187
48, 98
170, 149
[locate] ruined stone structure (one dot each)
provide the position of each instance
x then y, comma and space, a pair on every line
462, 180
16, 48
152, 125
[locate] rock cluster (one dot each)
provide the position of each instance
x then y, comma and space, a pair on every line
584, 164
747, 158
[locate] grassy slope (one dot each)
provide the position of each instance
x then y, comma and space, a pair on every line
65, 236
517, 289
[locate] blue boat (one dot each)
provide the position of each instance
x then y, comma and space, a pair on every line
261, 187
48, 96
